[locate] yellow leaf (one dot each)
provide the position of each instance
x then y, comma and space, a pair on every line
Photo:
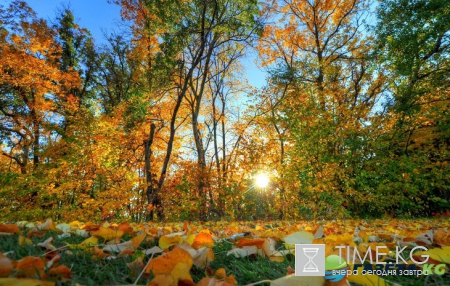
88, 242
167, 241
301, 237
107, 233
24, 241
181, 272
190, 239
438, 254
138, 239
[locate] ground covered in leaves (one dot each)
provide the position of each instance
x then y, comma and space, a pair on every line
212, 253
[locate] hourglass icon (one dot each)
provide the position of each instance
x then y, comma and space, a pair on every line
310, 266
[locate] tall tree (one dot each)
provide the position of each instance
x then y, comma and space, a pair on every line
32, 85
327, 92
229, 24
414, 44
181, 38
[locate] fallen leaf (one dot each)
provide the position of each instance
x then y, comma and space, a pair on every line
269, 246
245, 251
221, 273
125, 227
107, 233
153, 250
203, 240
98, 253
24, 241
9, 228
47, 225
88, 242
203, 257
53, 260
425, 238
301, 237
138, 239
165, 263
258, 242
437, 254
31, 267
61, 272
6, 265
64, 227
47, 244
319, 232
166, 241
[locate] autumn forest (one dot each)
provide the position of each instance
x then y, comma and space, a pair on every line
160, 122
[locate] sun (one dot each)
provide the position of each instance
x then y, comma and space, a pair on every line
262, 181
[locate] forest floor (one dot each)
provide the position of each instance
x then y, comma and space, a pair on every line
401, 252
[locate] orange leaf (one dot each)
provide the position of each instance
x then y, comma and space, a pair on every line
231, 280
162, 280
258, 242
137, 240
125, 252
31, 267
89, 226
202, 240
98, 252
221, 273
125, 227
9, 228
164, 264
61, 271
6, 265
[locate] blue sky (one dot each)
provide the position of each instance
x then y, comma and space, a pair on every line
98, 16
95, 15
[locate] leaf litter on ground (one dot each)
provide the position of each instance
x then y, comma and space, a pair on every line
172, 253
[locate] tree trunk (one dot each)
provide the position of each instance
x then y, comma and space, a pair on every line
148, 171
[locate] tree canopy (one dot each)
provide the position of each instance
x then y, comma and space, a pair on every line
160, 122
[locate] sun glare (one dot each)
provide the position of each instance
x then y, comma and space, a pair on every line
261, 181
